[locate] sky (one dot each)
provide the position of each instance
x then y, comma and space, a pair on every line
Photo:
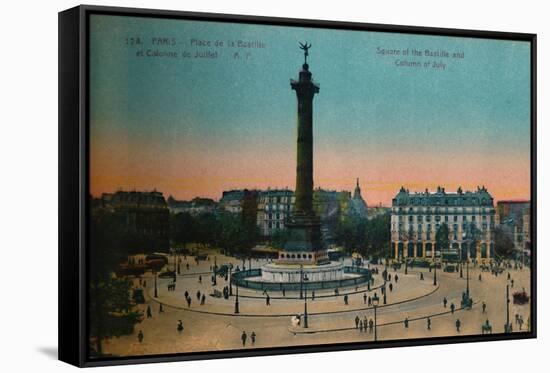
190, 126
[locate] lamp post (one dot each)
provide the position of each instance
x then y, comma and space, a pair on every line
507, 326
179, 271
435, 272
375, 302
156, 291
305, 301
301, 279
468, 278
230, 287
237, 295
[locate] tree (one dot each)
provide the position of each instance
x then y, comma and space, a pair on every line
442, 237
183, 228
279, 239
504, 245
111, 309
377, 236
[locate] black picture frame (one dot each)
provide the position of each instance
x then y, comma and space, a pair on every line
74, 189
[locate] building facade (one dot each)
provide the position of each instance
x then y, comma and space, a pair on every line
514, 218
417, 217
274, 207
144, 214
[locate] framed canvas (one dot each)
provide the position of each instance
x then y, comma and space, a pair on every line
234, 186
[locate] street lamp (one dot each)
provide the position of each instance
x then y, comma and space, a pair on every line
435, 273
468, 278
375, 302
301, 279
305, 301
237, 296
507, 326
156, 291
230, 287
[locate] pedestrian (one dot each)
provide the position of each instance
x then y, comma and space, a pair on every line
200, 277
203, 299
186, 294
406, 322
479, 277
396, 278
421, 275
445, 302
356, 322
391, 286
512, 282
313, 295
267, 300
365, 323
161, 309
365, 298
508, 275
371, 324
483, 307
243, 338
198, 295
452, 308
253, 337
284, 295
187, 266
457, 324
188, 301
369, 301
149, 313
140, 336
346, 299
360, 326
389, 277
180, 326
429, 323
520, 322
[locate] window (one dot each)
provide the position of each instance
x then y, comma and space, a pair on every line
473, 218
446, 218
419, 218
437, 218
455, 218
410, 218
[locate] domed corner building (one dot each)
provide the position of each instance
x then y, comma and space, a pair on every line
357, 205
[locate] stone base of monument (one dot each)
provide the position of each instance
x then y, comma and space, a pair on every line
279, 277
275, 272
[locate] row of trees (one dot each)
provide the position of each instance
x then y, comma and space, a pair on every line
229, 232
369, 237
111, 309
372, 237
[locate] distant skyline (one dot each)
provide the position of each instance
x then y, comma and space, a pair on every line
196, 127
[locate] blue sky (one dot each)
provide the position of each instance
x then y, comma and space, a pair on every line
368, 109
